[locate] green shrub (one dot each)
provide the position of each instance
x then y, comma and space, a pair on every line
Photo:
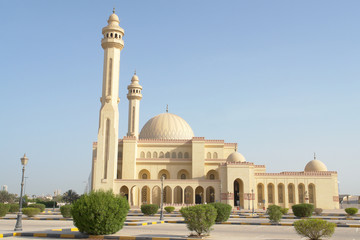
284, 211
303, 210
169, 209
30, 211
66, 211
199, 218
223, 211
48, 204
37, 205
149, 209
318, 211
274, 213
351, 211
14, 208
100, 212
314, 228
4, 209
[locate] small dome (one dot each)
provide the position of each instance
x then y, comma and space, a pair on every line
315, 165
135, 82
236, 157
113, 18
166, 126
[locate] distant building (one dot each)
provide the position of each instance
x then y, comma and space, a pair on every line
4, 188
196, 170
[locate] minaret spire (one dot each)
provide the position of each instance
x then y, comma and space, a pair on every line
134, 95
167, 108
106, 151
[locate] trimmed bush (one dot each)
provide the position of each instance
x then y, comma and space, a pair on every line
37, 205
303, 210
274, 213
169, 209
223, 211
284, 211
199, 218
318, 211
30, 211
100, 212
14, 208
149, 209
314, 228
66, 211
48, 204
351, 211
4, 209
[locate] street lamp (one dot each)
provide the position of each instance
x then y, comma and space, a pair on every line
18, 226
161, 199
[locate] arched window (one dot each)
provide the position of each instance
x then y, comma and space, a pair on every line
148, 155
260, 192
186, 155
270, 189
180, 155
212, 176
111, 35
291, 193
167, 155
311, 193
142, 155
208, 156
183, 176
107, 35
144, 176
215, 155
173, 155
281, 193
301, 189
155, 155
115, 35
161, 155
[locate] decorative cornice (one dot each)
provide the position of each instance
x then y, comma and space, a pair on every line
198, 138
105, 44
149, 140
316, 173
260, 166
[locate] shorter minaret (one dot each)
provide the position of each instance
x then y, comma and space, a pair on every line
134, 95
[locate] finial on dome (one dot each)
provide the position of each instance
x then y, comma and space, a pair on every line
113, 10
314, 156
167, 108
135, 72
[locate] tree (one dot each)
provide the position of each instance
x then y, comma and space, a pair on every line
6, 197
70, 196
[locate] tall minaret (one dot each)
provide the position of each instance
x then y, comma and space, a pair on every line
105, 158
134, 95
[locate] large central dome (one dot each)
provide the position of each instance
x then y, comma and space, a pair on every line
166, 126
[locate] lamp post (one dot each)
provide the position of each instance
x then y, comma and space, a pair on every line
252, 198
18, 226
161, 199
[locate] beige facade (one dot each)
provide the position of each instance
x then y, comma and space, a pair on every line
195, 169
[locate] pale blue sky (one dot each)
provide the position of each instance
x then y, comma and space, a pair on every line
280, 78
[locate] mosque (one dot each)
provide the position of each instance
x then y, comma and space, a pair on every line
192, 169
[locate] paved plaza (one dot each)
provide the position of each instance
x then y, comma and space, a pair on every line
149, 227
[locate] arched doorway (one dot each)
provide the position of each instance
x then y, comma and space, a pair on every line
199, 195
145, 195
134, 196
291, 194
189, 195
124, 191
178, 195
167, 195
270, 191
260, 195
239, 193
281, 194
210, 195
156, 191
